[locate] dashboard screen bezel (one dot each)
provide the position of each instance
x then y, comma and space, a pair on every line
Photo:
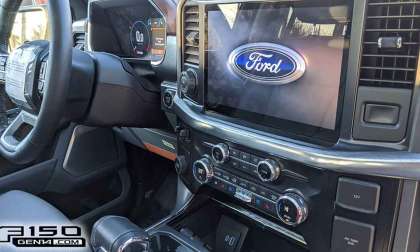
283, 127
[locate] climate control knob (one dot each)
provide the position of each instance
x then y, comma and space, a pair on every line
220, 153
268, 170
188, 80
203, 170
292, 209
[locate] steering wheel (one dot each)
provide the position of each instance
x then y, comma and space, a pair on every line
37, 79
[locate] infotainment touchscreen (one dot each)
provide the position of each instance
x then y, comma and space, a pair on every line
279, 65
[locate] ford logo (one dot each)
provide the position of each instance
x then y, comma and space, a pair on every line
267, 63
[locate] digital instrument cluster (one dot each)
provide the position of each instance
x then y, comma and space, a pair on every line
148, 38
133, 30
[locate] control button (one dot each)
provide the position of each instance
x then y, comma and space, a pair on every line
220, 153
253, 188
231, 190
245, 167
358, 195
351, 236
245, 156
265, 205
262, 192
255, 160
381, 114
226, 177
235, 164
243, 184
234, 180
203, 170
273, 196
268, 170
180, 164
243, 195
235, 153
168, 99
292, 209
218, 174
188, 82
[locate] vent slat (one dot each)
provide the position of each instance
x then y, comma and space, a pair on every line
191, 35
395, 64
79, 40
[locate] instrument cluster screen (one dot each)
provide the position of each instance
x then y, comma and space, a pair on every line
140, 32
278, 64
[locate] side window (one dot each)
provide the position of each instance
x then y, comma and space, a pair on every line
31, 23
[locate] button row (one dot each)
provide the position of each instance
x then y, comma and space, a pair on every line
245, 156
260, 203
245, 184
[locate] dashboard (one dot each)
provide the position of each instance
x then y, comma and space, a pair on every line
280, 115
127, 29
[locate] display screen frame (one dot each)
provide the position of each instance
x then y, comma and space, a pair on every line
279, 126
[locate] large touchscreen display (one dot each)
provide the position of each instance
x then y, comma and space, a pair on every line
277, 63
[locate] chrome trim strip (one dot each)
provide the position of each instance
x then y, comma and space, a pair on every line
266, 223
398, 164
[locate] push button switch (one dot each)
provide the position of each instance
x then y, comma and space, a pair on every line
358, 195
381, 114
351, 236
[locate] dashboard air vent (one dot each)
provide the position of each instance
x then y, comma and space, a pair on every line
79, 40
191, 34
391, 43
79, 34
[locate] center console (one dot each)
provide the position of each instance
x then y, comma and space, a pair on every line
295, 115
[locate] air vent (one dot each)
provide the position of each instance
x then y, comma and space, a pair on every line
391, 43
3, 62
191, 35
79, 34
79, 40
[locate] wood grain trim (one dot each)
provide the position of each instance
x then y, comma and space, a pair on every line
161, 152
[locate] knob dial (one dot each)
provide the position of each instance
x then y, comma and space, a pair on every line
203, 170
168, 98
181, 164
188, 82
292, 209
268, 170
220, 153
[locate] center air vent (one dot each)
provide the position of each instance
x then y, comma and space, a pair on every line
391, 44
191, 34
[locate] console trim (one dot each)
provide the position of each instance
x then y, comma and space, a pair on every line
397, 164
266, 223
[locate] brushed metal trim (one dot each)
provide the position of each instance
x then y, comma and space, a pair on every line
398, 164
264, 222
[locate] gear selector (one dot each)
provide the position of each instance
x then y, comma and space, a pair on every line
118, 234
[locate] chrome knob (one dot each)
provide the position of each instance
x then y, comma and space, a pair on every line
220, 153
203, 170
268, 170
292, 209
188, 80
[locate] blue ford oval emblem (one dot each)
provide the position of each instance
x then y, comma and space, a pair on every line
267, 63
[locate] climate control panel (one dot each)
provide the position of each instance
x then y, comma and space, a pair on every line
289, 207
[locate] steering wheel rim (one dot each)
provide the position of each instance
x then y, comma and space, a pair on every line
57, 80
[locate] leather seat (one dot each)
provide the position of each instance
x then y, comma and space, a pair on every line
19, 208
